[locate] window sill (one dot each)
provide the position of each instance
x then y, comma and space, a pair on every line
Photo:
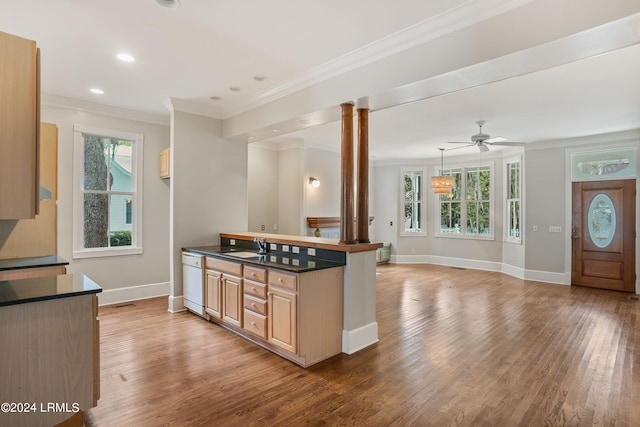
102, 252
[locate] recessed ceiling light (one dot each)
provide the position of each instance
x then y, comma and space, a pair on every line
275, 130
259, 78
96, 91
251, 138
125, 57
304, 122
215, 98
234, 89
168, 3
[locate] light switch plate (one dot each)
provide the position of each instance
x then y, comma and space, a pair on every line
295, 249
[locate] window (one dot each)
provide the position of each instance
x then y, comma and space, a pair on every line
467, 210
107, 211
412, 203
513, 201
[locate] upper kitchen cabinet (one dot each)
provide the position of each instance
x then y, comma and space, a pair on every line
19, 127
165, 163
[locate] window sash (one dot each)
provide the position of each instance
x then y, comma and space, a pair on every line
513, 201
467, 211
412, 206
120, 220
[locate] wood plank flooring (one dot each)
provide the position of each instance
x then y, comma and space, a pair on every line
457, 348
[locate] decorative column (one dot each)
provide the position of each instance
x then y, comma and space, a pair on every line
362, 202
346, 201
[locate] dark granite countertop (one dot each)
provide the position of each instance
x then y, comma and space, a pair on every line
35, 262
22, 291
296, 263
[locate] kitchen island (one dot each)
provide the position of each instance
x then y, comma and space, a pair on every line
49, 355
306, 298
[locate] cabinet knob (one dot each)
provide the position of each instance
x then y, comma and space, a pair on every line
253, 323
253, 289
280, 279
253, 304
253, 274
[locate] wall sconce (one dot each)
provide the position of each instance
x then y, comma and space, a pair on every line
315, 183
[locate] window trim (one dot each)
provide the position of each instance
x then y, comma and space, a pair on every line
507, 237
78, 203
423, 201
492, 209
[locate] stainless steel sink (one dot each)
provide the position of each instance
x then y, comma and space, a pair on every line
243, 254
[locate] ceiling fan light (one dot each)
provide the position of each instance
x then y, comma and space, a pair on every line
483, 148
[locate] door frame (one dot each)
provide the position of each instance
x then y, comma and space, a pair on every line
612, 145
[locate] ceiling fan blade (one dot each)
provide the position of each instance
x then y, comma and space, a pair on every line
496, 139
460, 142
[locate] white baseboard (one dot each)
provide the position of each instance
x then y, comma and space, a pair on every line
359, 338
548, 277
176, 304
520, 273
133, 293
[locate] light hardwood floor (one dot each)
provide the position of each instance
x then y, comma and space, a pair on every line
457, 347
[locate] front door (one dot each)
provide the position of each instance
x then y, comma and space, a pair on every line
604, 235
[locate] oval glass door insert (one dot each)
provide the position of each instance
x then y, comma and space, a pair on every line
602, 220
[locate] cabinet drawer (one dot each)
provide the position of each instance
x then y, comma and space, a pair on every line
255, 323
254, 288
255, 304
224, 266
283, 280
254, 273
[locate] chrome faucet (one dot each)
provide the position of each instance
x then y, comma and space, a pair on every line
262, 245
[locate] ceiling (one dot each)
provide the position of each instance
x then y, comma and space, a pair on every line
426, 69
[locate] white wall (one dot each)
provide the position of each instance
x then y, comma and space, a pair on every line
290, 189
325, 166
151, 268
263, 190
208, 188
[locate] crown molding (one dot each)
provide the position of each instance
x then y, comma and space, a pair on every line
57, 101
463, 16
186, 106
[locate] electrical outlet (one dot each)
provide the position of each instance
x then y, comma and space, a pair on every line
262, 227
535, 228
311, 251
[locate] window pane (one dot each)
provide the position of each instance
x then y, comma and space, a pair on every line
95, 163
96, 220
450, 217
413, 201
484, 226
514, 218
514, 180
120, 164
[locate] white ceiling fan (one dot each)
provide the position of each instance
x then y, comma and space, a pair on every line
483, 141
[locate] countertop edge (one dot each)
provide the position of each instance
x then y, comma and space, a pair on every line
35, 262
312, 242
321, 264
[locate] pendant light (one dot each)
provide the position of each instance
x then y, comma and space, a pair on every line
441, 184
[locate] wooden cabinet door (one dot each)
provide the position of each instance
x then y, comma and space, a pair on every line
232, 303
19, 111
282, 319
214, 294
165, 161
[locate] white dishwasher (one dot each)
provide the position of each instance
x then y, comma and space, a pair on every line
193, 282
